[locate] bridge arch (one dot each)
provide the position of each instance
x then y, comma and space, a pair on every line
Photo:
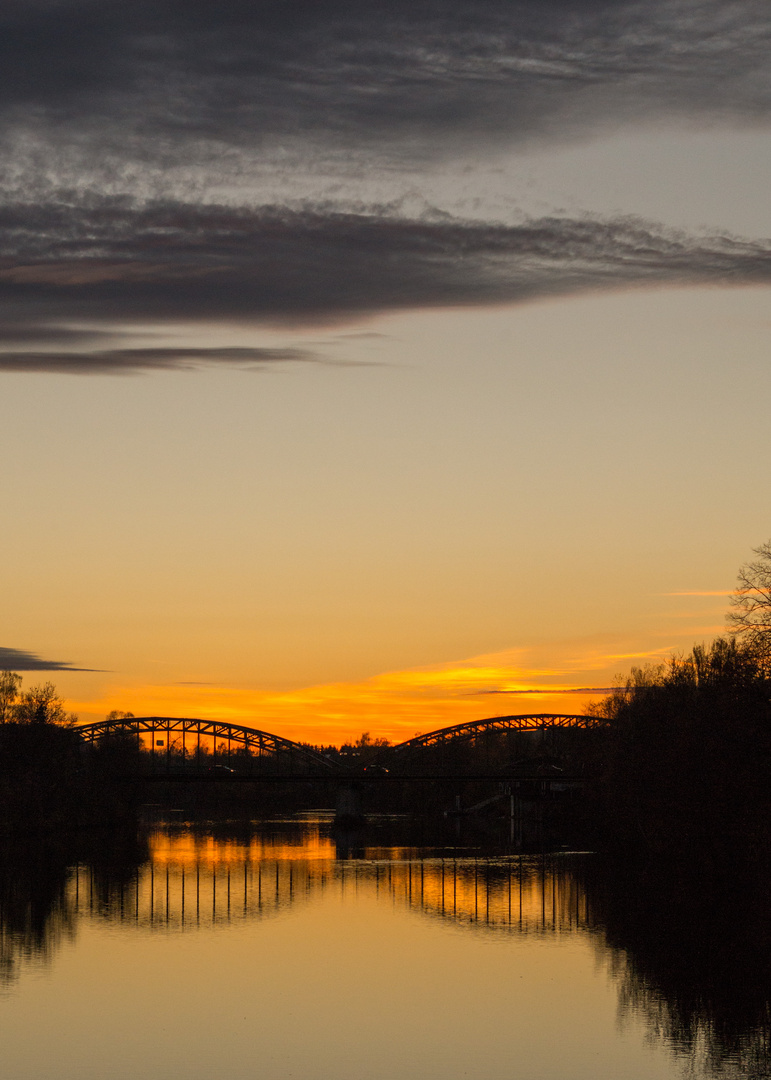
472, 728
261, 744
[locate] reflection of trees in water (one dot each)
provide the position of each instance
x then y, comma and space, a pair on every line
38, 907
691, 952
35, 915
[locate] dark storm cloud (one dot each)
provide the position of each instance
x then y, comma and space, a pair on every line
19, 660
113, 260
152, 79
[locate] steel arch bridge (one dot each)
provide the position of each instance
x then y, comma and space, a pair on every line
261, 744
472, 728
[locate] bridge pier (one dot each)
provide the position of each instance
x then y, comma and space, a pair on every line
349, 807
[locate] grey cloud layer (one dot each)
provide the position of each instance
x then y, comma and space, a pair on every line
92, 264
20, 660
155, 81
183, 103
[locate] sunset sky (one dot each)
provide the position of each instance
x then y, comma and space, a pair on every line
376, 366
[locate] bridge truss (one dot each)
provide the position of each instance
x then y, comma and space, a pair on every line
473, 728
184, 736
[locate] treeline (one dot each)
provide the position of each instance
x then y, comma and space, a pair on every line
686, 753
38, 705
686, 757
49, 778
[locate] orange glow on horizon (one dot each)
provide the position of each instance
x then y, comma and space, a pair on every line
395, 705
705, 592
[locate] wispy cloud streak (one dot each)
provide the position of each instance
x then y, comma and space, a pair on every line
702, 592
554, 690
133, 361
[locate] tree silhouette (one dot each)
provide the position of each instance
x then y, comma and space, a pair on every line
750, 614
42, 705
9, 692
688, 751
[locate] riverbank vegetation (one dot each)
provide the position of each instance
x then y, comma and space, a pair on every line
49, 778
687, 744
687, 752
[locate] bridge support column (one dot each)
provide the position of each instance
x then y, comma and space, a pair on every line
515, 819
349, 807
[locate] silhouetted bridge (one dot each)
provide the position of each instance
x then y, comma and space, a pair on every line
184, 748
473, 729
181, 740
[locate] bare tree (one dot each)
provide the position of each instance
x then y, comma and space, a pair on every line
118, 714
42, 705
750, 614
9, 691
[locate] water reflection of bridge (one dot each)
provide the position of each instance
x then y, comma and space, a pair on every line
183, 888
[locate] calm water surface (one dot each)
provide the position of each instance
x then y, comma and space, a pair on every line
277, 952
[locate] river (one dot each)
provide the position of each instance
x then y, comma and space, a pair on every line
282, 949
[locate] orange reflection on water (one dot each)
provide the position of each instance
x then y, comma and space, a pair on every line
190, 849
205, 880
